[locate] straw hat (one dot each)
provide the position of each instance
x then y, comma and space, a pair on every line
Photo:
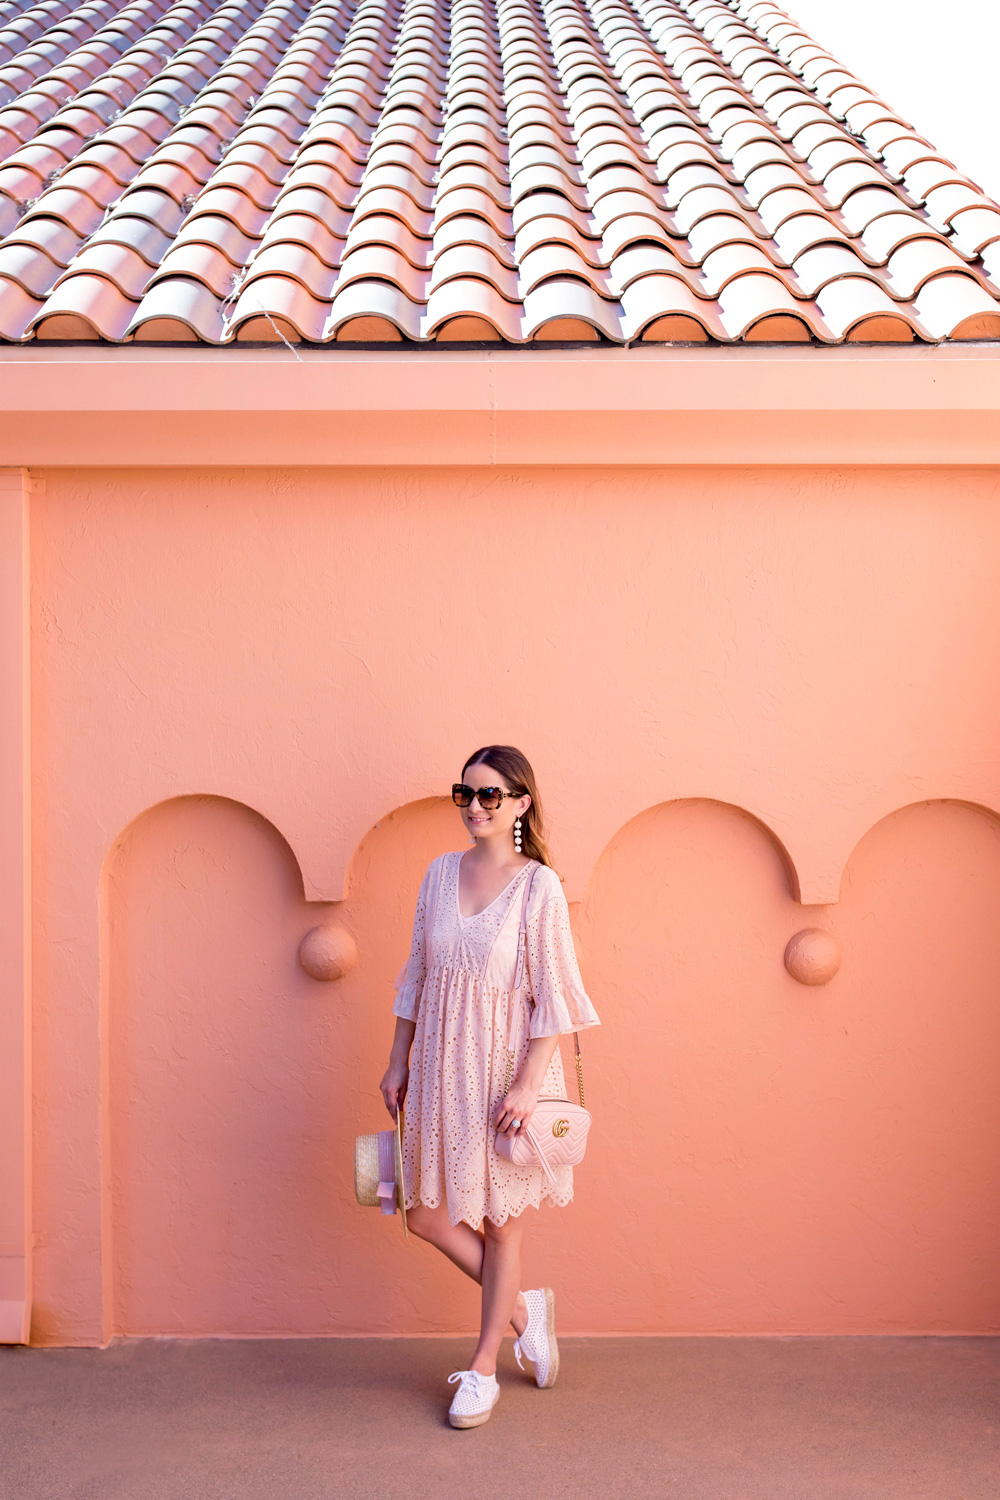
378, 1163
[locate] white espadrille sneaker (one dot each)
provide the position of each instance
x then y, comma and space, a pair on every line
538, 1341
474, 1400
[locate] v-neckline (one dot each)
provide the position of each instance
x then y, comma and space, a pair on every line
458, 900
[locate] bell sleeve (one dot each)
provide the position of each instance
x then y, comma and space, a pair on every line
410, 980
560, 1002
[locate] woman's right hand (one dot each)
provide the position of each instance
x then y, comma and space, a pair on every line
393, 1085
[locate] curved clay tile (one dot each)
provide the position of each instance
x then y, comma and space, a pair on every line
957, 307
200, 152
459, 175
470, 200
673, 148
804, 231
705, 202
277, 307
909, 152
114, 159
374, 300
176, 305
639, 228
147, 239
467, 330
206, 228
846, 304
561, 259
771, 177
826, 155
551, 229
750, 140
727, 262
784, 200
924, 176
472, 297
696, 174
290, 228
121, 265
867, 204
84, 301
387, 229
886, 233
815, 267
747, 301
564, 298
385, 263
846, 178
25, 266
975, 229
468, 260
916, 262
200, 262
74, 208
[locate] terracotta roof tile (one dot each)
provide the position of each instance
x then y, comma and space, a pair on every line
84, 306
176, 308
124, 267
524, 170
24, 266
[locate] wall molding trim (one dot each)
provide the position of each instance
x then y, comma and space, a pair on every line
666, 406
15, 909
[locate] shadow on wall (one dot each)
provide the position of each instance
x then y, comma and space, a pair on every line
767, 1157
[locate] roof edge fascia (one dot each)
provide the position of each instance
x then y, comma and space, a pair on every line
170, 407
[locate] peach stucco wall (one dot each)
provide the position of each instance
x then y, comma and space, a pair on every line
758, 701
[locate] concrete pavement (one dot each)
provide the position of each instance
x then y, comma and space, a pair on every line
681, 1418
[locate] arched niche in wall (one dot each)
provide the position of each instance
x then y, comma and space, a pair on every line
217, 1059
795, 1159
916, 1170
680, 935
236, 1083
767, 1156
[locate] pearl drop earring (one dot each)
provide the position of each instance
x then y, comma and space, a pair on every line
517, 835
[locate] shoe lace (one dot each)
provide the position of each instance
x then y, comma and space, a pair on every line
521, 1340
471, 1375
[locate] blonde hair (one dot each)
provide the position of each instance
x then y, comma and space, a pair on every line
515, 768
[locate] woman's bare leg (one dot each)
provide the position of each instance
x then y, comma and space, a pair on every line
501, 1280
459, 1242
463, 1246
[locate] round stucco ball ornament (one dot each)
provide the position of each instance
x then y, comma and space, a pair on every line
812, 956
328, 951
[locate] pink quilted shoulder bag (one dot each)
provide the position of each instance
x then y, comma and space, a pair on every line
556, 1135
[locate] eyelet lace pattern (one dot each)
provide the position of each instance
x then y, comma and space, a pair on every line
457, 985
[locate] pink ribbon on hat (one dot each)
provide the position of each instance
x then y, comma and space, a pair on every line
387, 1170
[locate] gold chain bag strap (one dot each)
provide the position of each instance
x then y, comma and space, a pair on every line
556, 1134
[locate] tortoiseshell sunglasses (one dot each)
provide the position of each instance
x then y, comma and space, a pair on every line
490, 797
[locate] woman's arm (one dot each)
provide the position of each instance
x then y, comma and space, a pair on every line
397, 1074
409, 983
522, 1096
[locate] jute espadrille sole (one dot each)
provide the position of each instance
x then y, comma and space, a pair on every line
550, 1334
476, 1421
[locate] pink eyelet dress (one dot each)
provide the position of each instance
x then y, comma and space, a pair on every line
458, 986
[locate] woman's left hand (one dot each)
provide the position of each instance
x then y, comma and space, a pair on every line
518, 1104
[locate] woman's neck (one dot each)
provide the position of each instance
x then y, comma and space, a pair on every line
496, 854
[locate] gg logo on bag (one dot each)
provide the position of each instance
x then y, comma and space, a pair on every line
561, 1127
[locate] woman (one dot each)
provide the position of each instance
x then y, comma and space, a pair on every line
454, 1004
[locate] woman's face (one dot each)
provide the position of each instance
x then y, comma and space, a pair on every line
483, 822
